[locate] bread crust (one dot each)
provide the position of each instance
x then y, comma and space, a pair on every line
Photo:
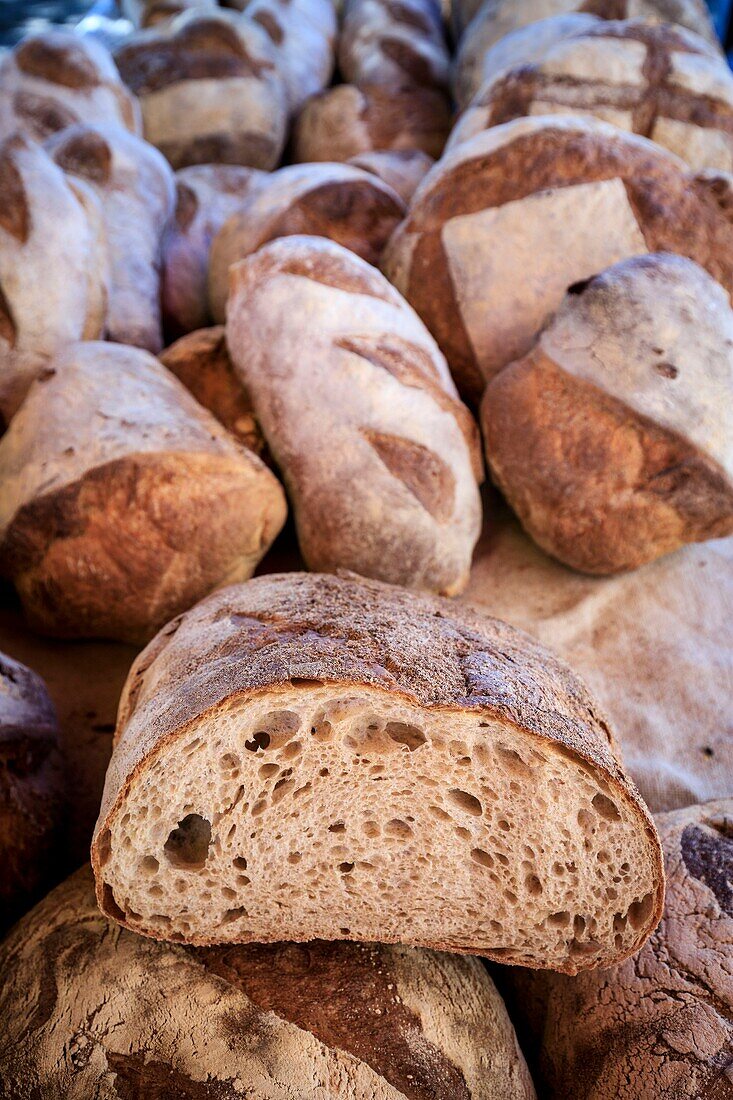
383, 42
401, 169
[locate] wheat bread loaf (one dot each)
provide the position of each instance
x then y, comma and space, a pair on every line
612, 438
663, 82
54, 268
509, 220
201, 361
337, 201
127, 1017
347, 120
135, 187
206, 195
31, 789
400, 169
380, 457
383, 42
124, 501
661, 1023
54, 79
308, 756
209, 89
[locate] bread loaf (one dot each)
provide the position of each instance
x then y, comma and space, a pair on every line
132, 1018
337, 201
661, 1024
53, 266
383, 42
355, 401
302, 33
54, 79
310, 756
135, 187
206, 195
209, 90
659, 81
613, 437
124, 501
347, 120
401, 169
201, 362
31, 789
508, 220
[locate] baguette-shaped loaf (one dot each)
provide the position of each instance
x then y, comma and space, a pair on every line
123, 500
663, 82
508, 221
130, 1018
355, 401
337, 201
386, 43
54, 269
56, 78
135, 187
401, 169
209, 89
311, 756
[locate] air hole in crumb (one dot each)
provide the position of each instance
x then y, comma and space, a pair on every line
187, 845
640, 911
149, 865
268, 770
512, 761
291, 750
465, 801
441, 814
231, 915
398, 828
585, 819
346, 868
605, 807
337, 827
485, 859
294, 857
667, 370
104, 847
405, 734
109, 903
240, 863
230, 761
560, 920
463, 833
533, 884
259, 740
371, 828
345, 931
322, 731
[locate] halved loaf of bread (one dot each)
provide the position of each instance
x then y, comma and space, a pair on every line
308, 756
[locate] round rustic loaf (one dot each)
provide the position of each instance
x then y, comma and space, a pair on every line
401, 169
31, 790
124, 501
206, 195
659, 81
357, 405
200, 360
661, 1024
337, 201
346, 120
54, 268
506, 222
209, 89
612, 438
54, 79
135, 187
131, 1018
383, 42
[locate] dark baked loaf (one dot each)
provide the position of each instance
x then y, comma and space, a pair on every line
31, 790
89, 1009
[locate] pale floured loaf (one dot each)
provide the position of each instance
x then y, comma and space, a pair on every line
383, 42
380, 457
312, 756
89, 1009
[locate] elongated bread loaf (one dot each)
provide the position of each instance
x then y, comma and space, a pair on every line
380, 457
134, 1019
135, 187
311, 756
123, 500
336, 201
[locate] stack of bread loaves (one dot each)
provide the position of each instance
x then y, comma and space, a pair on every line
229, 286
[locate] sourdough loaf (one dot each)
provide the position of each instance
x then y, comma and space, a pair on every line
383, 42
133, 1018
613, 437
124, 501
347, 120
200, 360
209, 90
54, 270
659, 81
206, 195
357, 406
661, 1024
31, 789
54, 79
135, 187
311, 756
401, 169
508, 220
337, 201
